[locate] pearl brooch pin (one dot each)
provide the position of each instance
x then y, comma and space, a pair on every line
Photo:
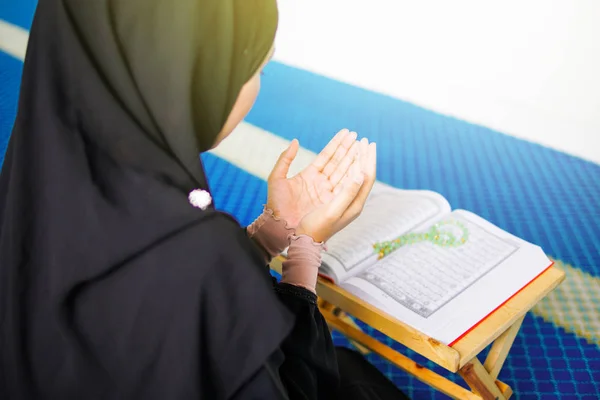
200, 198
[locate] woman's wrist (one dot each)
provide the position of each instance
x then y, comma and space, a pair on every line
272, 234
301, 267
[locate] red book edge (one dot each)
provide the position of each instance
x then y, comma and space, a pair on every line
491, 312
327, 278
496, 309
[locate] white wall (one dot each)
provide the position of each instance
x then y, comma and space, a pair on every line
530, 68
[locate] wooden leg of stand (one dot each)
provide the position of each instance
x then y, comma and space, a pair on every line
480, 381
325, 307
420, 372
500, 348
505, 389
338, 313
346, 318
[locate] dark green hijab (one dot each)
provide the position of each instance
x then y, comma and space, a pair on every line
111, 284
176, 67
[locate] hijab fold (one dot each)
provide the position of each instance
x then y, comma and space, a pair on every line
118, 98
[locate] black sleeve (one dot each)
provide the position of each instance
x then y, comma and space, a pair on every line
301, 363
305, 366
266, 383
309, 370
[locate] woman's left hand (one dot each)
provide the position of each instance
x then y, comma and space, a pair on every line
292, 198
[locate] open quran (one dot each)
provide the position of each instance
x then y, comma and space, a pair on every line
440, 271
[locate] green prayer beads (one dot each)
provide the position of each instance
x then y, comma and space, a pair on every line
441, 234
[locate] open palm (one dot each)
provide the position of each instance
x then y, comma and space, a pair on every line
292, 198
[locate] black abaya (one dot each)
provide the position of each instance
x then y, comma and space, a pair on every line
112, 286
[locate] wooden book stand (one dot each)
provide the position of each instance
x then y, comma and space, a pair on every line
499, 329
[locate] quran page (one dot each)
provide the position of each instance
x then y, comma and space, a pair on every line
444, 287
387, 214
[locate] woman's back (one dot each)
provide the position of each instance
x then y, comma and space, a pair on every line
115, 282
111, 283
160, 326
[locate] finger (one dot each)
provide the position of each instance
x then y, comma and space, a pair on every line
364, 153
372, 163
329, 150
282, 166
344, 165
354, 166
349, 189
369, 175
339, 154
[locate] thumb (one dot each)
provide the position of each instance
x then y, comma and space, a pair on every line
282, 166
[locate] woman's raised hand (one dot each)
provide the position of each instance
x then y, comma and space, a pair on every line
347, 198
293, 198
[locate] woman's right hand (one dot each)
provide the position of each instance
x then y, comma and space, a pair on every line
349, 198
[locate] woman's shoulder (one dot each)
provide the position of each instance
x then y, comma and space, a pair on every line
220, 234
214, 244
